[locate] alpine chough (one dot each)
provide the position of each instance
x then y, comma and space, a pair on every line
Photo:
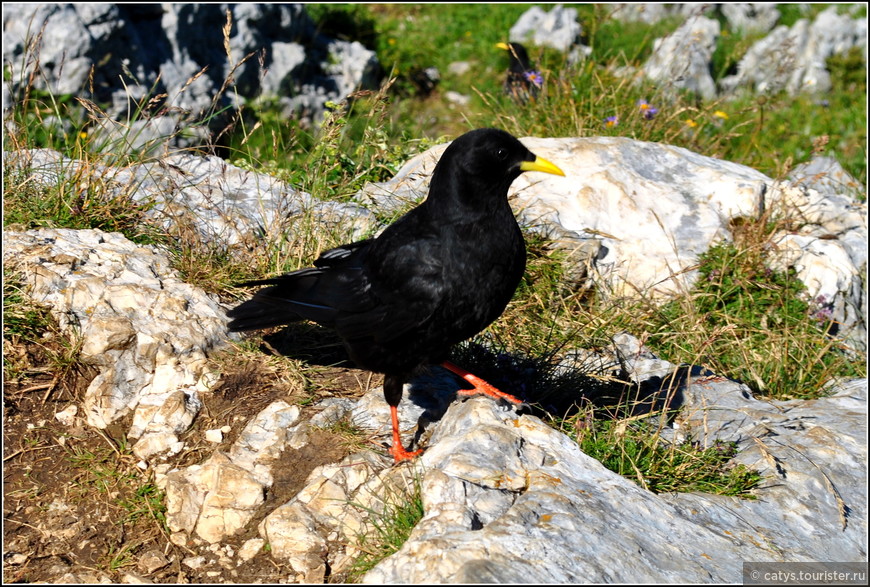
523, 81
437, 276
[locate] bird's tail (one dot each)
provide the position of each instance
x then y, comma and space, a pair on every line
255, 315
283, 302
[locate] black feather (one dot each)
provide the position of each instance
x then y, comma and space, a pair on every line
435, 277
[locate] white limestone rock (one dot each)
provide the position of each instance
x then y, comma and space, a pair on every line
558, 28
509, 499
750, 16
682, 60
793, 59
220, 496
146, 331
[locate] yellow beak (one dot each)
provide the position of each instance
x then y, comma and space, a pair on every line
503, 46
541, 164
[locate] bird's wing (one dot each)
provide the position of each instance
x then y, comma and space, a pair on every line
361, 290
316, 293
334, 256
404, 284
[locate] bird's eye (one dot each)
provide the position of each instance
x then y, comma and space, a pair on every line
502, 154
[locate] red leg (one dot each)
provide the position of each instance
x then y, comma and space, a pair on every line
397, 450
481, 387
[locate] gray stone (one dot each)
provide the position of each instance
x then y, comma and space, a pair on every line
558, 28
459, 68
137, 52
279, 81
826, 176
682, 59
829, 253
812, 454
793, 59
750, 17
512, 500
652, 13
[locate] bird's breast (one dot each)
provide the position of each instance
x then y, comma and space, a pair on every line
484, 271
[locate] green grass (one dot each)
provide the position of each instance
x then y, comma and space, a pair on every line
108, 474
753, 324
389, 526
635, 450
32, 341
353, 146
110, 471
21, 316
147, 501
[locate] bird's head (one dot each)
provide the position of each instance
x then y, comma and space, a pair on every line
520, 60
479, 167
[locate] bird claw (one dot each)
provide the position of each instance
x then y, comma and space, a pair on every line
399, 454
492, 392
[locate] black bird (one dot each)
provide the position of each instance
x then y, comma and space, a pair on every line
523, 81
437, 276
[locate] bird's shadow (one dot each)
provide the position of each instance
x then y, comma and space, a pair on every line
554, 391
309, 342
546, 390
432, 388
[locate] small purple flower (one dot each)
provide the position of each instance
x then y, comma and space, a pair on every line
611, 121
648, 110
823, 313
534, 77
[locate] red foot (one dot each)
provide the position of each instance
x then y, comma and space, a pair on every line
481, 387
397, 451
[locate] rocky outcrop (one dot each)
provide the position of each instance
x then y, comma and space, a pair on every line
506, 497
557, 28
510, 499
791, 59
226, 206
147, 332
121, 53
695, 43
